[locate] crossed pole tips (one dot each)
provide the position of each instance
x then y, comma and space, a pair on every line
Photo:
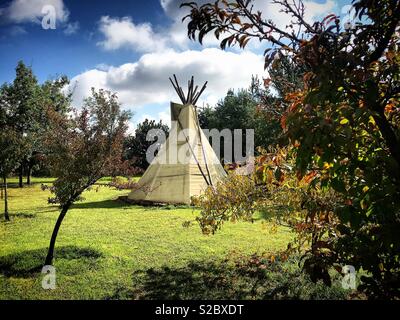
192, 95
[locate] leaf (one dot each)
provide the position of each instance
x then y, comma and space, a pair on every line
329, 18
267, 82
327, 165
364, 206
236, 20
344, 121
310, 176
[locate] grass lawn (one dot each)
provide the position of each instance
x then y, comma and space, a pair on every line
110, 250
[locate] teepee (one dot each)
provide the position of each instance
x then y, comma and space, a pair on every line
186, 164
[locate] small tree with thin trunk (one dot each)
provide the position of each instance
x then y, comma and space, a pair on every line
10, 143
9, 156
83, 148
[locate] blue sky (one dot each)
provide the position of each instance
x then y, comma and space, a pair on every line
130, 47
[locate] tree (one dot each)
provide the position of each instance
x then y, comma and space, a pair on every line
24, 96
10, 143
82, 149
30, 102
9, 156
245, 109
50, 97
135, 147
343, 123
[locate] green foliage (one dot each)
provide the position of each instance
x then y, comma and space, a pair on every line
343, 122
121, 183
11, 142
135, 147
28, 104
243, 110
347, 128
230, 200
85, 147
82, 149
286, 76
24, 96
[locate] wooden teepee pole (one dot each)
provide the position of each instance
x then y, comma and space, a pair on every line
192, 94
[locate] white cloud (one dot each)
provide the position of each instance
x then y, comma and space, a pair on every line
82, 84
316, 10
123, 32
17, 30
71, 28
177, 32
146, 81
164, 116
20, 11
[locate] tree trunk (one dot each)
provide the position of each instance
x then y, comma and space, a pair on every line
28, 175
21, 175
6, 216
50, 253
390, 138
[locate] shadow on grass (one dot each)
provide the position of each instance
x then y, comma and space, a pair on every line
106, 204
25, 264
22, 215
228, 279
15, 185
18, 215
272, 213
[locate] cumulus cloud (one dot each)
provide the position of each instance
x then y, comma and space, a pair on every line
177, 32
123, 32
71, 28
317, 10
20, 11
146, 81
312, 11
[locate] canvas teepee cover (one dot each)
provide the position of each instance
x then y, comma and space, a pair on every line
185, 164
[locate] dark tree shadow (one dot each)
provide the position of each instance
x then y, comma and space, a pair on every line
20, 215
106, 204
236, 279
26, 264
197, 280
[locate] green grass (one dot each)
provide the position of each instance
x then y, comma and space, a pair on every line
107, 249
